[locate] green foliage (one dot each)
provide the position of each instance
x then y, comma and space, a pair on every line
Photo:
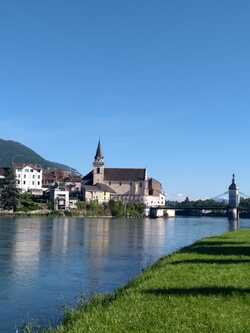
95, 209
26, 203
81, 205
117, 208
9, 193
244, 203
204, 204
134, 209
201, 289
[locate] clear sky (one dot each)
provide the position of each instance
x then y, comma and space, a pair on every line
165, 84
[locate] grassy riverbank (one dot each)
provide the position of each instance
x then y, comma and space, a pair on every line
203, 288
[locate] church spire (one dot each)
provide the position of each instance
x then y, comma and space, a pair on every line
98, 171
99, 156
99, 153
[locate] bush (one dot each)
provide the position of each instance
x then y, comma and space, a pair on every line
26, 202
117, 208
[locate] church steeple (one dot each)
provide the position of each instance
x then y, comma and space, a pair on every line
98, 171
99, 153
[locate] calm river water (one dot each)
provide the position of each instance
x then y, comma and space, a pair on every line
47, 263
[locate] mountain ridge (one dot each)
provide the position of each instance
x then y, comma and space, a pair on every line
15, 152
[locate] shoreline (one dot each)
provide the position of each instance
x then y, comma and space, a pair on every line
177, 294
59, 214
82, 215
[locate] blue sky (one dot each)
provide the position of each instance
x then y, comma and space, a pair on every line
165, 84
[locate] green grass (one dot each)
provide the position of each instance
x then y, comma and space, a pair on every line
202, 288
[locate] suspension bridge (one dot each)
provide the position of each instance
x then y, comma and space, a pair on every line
227, 202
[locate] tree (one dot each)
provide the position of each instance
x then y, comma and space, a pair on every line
26, 202
10, 193
117, 208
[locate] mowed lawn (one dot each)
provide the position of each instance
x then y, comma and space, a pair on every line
203, 288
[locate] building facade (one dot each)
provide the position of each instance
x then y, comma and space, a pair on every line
60, 199
99, 192
29, 178
127, 184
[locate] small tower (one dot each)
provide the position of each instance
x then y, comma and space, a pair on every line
98, 171
234, 195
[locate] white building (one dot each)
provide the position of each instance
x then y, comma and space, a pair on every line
60, 199
156, 200
29, 178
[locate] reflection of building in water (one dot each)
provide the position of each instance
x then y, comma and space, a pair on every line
26, 246
60, 235
38, 237
154, 235
96, 236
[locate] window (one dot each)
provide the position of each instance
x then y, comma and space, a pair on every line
110, 183
31, 170
33, 176
98, 171
26, 170
33, 183
24, 182
38, 176
120, 183
24, 176
38, 183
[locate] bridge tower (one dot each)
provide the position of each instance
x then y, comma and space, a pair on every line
234, 200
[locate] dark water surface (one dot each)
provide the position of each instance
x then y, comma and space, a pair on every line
47, 263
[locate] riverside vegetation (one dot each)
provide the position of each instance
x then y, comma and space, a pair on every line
202, 288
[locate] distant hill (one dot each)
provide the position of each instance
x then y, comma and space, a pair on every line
15, 152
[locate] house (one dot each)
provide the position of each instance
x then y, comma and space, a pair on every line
29, 178
54, 176
155, 197
70, 181
73, 183
60, 199
128, 184
99, 192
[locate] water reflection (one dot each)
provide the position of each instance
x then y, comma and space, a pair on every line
46, 263
234, 225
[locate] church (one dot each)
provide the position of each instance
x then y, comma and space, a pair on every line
128, 185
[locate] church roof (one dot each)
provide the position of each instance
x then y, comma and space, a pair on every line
98, 188
99, 152
88, 179
117, 174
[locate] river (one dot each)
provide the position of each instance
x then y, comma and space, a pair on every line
48, 263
